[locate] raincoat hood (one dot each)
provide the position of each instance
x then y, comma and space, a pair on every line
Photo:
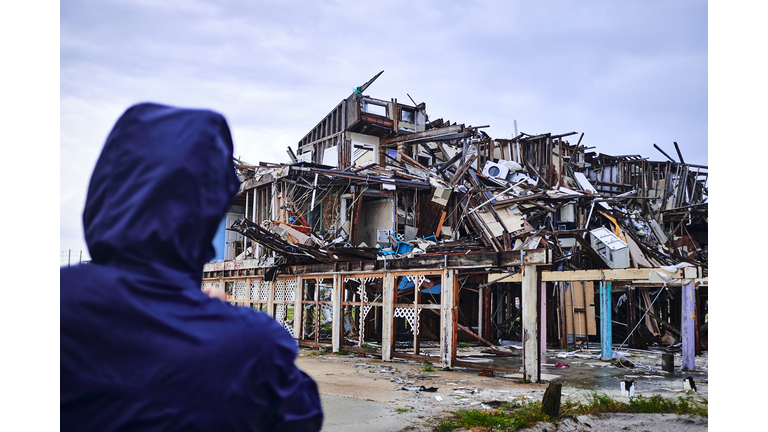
160, 188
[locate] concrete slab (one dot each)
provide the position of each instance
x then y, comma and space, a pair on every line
345, 414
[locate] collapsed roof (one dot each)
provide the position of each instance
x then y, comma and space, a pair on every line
377, 180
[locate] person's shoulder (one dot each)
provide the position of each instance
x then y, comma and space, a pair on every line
82, 275
258, 327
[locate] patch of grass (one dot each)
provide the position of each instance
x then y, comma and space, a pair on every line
602, 403
462, 345
371, 371
402, 410
368, 346
523, 381
314, 353
427, 367
511, 416
508, 417
343, 351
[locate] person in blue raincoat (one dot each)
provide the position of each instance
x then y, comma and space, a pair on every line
142, 347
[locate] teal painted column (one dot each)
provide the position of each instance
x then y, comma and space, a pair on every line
606, 337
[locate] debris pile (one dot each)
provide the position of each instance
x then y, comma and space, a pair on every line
468, 192
378, 190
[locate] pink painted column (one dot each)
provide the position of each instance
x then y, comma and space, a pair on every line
543, 318
688, 327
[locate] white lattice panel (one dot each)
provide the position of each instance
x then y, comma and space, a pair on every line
290, 289
240, 290
254, 290
264, 291
289, 327
411, 315
210, 284
363, 294
416, 279
280, 313
279, 290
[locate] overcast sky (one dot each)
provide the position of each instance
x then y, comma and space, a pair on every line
627, 74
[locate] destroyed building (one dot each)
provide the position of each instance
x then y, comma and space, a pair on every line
396, 235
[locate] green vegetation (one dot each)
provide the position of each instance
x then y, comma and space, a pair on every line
369, 346
427, 367
402, 410
343, 351
602, 403
507, 417
462, 345
314, 353
513, 416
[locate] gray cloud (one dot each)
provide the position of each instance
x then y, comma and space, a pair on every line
627, 74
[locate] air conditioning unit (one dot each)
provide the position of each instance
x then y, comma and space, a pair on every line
495, 170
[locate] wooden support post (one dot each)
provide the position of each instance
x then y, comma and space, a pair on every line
606, 336
338, 319
387, 317
486, 316
531, 349
447, 347
543, 318
688, 327
247, 301
480, 298
271, 299
417, 318
298, 294
563, 315
697, 308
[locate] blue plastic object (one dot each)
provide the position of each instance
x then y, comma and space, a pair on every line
403, 248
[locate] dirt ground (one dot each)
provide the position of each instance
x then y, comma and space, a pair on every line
365, 393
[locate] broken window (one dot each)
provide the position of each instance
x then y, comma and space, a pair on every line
374, 108
407, 115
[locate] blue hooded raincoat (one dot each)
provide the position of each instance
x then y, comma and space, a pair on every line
142, 347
